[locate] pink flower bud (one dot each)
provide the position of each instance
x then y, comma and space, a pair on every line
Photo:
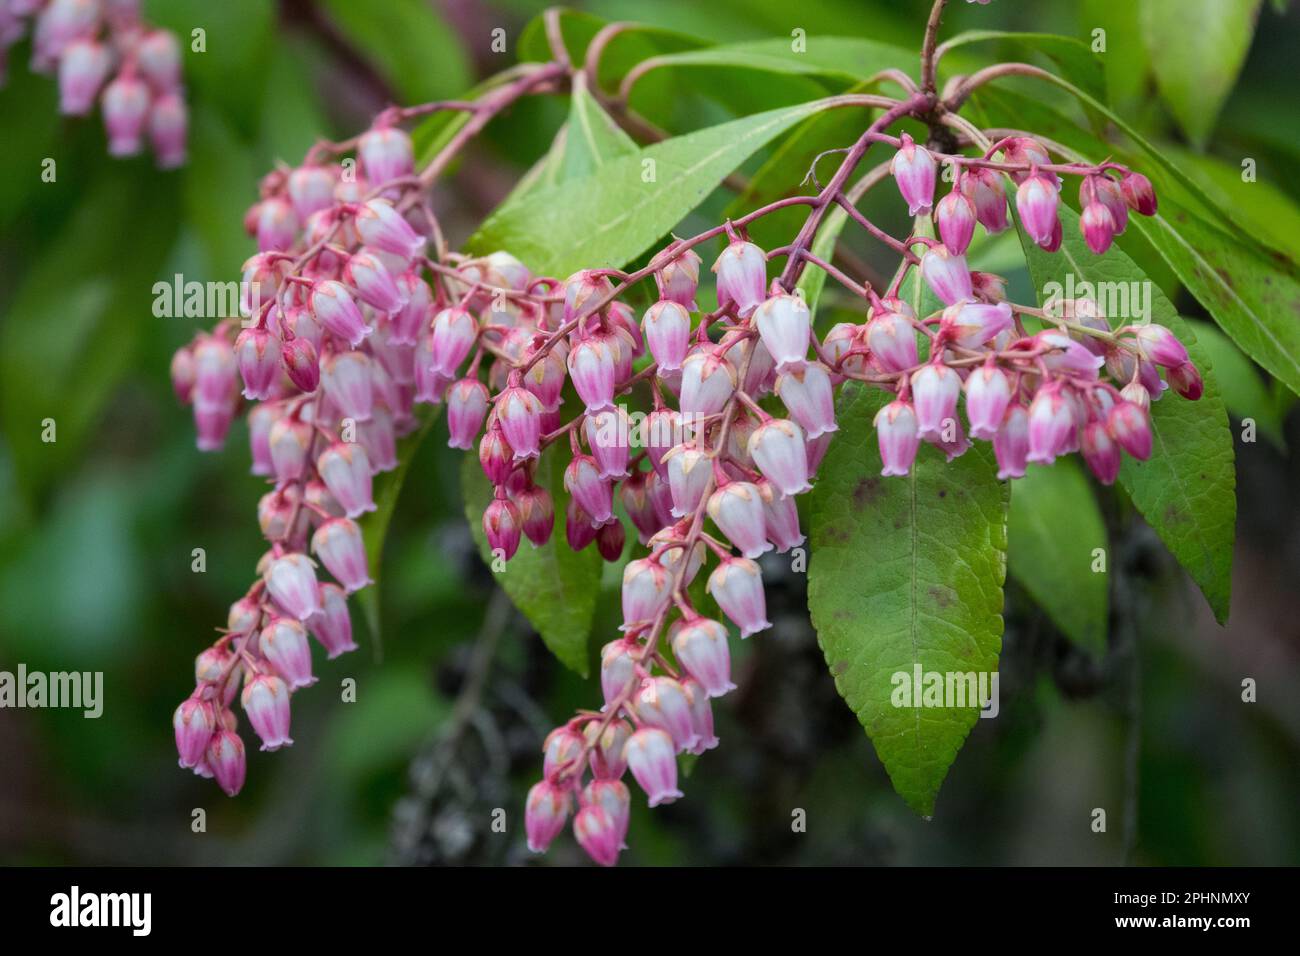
892, 341
496, 457
266, 702
955, 217
582, 290
1101, 452
1036, 202
60, 23
671, 556
215, 369
596, 833
935, 389
689, 470
1157, 344
283, 642
591, 364
291, 581
708, 381
972, 324
701, 716
333, 625
467, 404
737, 509
346, 378
1011, 443
1067, 355
244, 615
661, 702
1107, 192
784, 324
896, 430
984, 189
778, 449
609, 436
1186, 381
276, 225
183, 374
742, 277
700, 646
225, 755
520, 416
606, 756
781, 516
617, 668
652, 759
737, 585
662, 431
988, 393
610, 540
375, 285
1097, 226
298, 357
346, 471
592, 493
1023, 151
1138, 193
383, 227
126, 107
386, 154
667, 333
339, 545
332, 306
679, 279
647, 589
159, 57
454, 335
545, 811
82, 70
503, 526
1130, 426
989, 287
946, 274
289, 438
913, 168
536, 514
612, 796
168, 126
194, 722
561, 751
1052, 426
311, 189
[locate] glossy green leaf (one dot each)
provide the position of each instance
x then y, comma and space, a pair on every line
1244, 390
1070, 55
610, 217
1125, 60
1197, 48
554, 586
1186, 491
593, 137
1054, 531
906, 573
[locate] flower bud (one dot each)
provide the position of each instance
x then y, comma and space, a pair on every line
536, 515
291, 581
667, 327
708, 381
289, 439
384, 228
82, 70
592, 493
496, 457
913, 168
737, 585
1186, 381
333, 625
700, 646
168, 125
339, 545
592, 366
311, 189
742, 277
610, 540
972, 324
225, 755
333, 307
892, 341
984, 189
1130, 426
283, 642
609, 437
1138, 193
194, 722
1101, 452
1052, 426
126, 107
935, 388
946, 274
784, 323
737, 509
1024, 151
266, 702
1064, 354
1157, 344
596, 832
274, 224
298, 357
1011, 443
503, 525
689, 470
385, 155
897, 433
679, 279
988, 393
519, 414
545, 811
781, 516
345, 468
955, 218
617, 667
1097, 226
661, 702
1036, 202
652, 760
777, 447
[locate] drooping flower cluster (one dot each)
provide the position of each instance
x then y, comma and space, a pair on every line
103, 50
698, 427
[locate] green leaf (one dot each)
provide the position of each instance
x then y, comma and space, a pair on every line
1125, 60
612, 216
1244, 390
408, 43
1186, 491
1054, 529
554, 586
905, 573
594, 138
1072, 57
1197, 48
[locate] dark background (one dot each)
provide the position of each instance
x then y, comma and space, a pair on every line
455, 693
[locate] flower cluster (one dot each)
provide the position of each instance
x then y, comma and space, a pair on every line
103, 50
698, 427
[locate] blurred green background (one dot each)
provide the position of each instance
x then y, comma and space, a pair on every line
455, 693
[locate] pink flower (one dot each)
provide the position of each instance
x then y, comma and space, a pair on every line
1130, 426
913, 168
298, 357
592, 493
348, 383
700, 646
82, 70
168, 127
332, 306
592, 368
1186, 381
647, 589
503, 526
1157, 344
988, 393
385, 154
1036, 202
737, 510
1011, 443
383, 227
689, 470
596, 833
520, 416
536, 514
737, 585
291, 581
777, 447
1101, 452
617, 668
946, 274
983, 187
742, 277
284, 643
652, 759
454, 335
338, 543
289, 439
266, 702
809, 396
661, 702
955, 218
609, 436
1097, 226
311, 189
126, 107
781, 516
194, 722
545, 811
1138, 193
935, 389
1051, 424
972, 324
896, 429
679, 279
332, 626
345, 469
374, 284
225, 756
667, 327
467, 405
708, 381
784, 323
892, 341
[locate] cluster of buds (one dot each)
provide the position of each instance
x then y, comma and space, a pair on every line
102, 50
